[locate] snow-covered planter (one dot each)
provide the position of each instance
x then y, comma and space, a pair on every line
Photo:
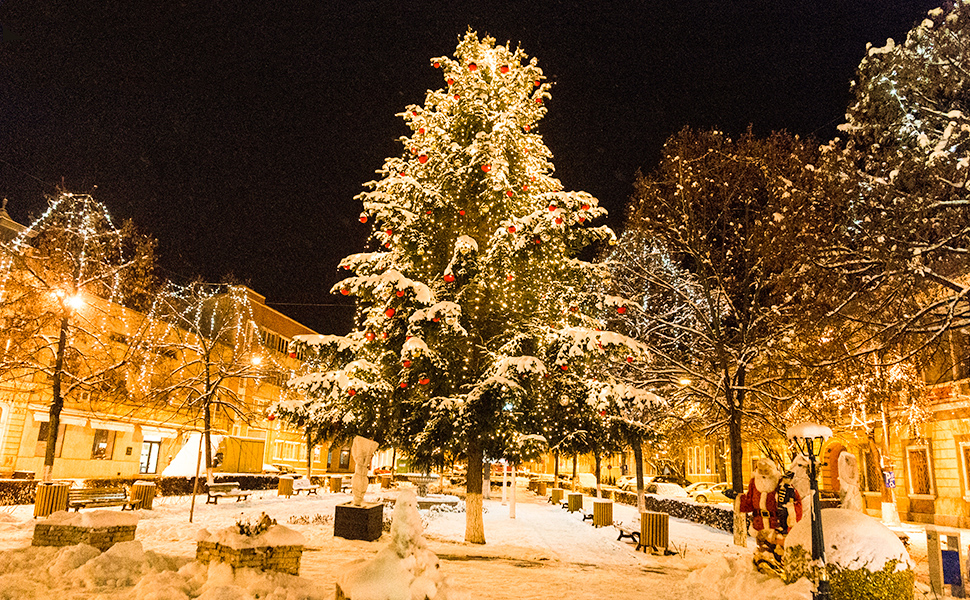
263, 545
406, 569
863, 558
100, 528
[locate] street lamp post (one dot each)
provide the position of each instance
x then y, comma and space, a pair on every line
808, 438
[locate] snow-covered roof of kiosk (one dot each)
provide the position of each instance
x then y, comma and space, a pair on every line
808, 430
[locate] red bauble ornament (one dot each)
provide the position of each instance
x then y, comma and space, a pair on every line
526, 128
292, 354
461, 212
538, 100
573, 308
404, 384
384, 334
270, 417
414, 112
558, 220
585, 207
427, 212
369, 335
424, 381
423, 158
510, 277
602, 413
457, 97
437, 65
509, 193
389, 232
344, 291
537, 241
387, 245
414, 150
629, 359
525, 188
451, 81
564, 367
486, 168
449, 277
435, 319
552, 207
363, 218
472, 67
621, 310
407, 364
400, 293
389, 312
351, 392
421, 130
536, 83
582, 219
511, 228
504, 68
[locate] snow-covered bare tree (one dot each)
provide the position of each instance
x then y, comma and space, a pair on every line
205, 350
66, 284
717, 250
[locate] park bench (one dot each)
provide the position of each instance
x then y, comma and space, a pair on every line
628, 532
304, 485
587, 516
225, 489
79, 498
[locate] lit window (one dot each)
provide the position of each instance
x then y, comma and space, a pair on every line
104, 443
920, 483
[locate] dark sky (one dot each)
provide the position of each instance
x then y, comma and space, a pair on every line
237, 132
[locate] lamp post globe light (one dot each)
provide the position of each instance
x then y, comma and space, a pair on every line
808, 439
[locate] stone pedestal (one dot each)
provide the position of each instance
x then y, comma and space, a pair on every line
285, 559
144, 491
358, 522
102, 538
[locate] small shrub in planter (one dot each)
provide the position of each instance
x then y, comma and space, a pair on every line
863, 558
256, 545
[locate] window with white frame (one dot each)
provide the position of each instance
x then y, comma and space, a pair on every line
965, 463
920, 478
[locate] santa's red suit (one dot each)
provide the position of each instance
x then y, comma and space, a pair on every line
764, 508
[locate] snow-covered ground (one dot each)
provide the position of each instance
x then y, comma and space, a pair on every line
544, 552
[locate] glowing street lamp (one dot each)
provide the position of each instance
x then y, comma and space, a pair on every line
808, 438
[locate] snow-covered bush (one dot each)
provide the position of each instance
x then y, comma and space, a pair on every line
863, 558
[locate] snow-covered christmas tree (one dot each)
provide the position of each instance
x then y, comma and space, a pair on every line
474, 312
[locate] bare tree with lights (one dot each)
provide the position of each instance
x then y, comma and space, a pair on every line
205, 351
67, 283
718, 250
473, 304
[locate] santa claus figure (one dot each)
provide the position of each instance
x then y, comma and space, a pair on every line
774, 506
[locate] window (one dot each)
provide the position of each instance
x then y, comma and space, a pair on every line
871, 473
104, 444
919, 471
41, 449
345, 458
708, 459
148, 463
965, 457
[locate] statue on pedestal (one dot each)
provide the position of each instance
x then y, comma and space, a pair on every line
363, 451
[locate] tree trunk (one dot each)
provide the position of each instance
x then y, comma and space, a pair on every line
57, 403
207, 442
735, 401
599, 490
555, 470
474, 525
309, 450
575, 474
638, 466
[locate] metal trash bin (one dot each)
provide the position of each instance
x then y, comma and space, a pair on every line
335, 482
575, 502
654, 530
285, 486
50, 497
143, 492
602, 513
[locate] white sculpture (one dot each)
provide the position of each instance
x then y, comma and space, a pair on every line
363, 451
849, 482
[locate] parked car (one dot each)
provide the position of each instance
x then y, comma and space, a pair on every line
277, 468
671, 490
714, 493
630, 484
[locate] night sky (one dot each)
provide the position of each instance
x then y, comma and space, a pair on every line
237, 133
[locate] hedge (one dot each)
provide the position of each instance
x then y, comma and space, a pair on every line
711, 515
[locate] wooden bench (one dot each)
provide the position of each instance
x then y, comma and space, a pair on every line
303, 485
79, 498
225, 489
628, 532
